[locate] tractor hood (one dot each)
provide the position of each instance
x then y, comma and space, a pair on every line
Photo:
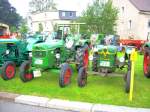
49, 45
31, 42
110, 48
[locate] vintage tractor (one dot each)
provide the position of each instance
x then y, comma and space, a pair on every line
106, 60
13, 52
146, 60
56, 52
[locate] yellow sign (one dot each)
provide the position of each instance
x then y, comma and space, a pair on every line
133, 55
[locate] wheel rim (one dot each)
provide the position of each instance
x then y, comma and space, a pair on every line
146, 63
10, 71
67, 76
86, 58
28, 75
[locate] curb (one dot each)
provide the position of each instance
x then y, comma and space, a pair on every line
66, 104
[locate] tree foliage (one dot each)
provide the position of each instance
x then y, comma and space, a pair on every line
8, 14
42, 5
99, 17
23, 27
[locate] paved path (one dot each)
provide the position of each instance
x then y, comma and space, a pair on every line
10, 102
9, 106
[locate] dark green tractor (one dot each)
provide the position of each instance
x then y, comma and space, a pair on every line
106, 60
13, 52
57, 52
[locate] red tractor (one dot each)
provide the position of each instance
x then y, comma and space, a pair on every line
146, 60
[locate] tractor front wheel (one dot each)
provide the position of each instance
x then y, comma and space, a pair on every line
8, 70
82, 77
95, 62
25, 73
128, 80
65, 75
146, 65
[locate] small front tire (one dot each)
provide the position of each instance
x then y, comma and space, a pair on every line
82, 77
65, 75
128, 80
8, 70
25, 73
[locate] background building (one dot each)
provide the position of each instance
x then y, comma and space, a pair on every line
134, 18
49, 19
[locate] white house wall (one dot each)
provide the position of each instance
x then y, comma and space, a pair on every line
47, 19
139, 22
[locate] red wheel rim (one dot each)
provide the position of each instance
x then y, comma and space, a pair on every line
86, 58
10, 71
28, 75
146, 63
67, 76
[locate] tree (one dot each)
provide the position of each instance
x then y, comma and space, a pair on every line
23, 27
99, 17
42, 5
8, 14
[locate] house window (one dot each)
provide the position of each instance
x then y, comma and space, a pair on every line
149, 24
63, 14
130, 24
70, 14
122, 9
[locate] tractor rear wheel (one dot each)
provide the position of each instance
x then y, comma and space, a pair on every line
82, 77
128, 80
8, 70
25, 73
82, 57
65, 75
146, 65
95, 63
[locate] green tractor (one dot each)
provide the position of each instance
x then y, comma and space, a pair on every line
106, 59
56, 53
13, 52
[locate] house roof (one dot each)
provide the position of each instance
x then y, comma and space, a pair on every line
141, 5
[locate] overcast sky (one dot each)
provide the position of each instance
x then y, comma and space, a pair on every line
22, 6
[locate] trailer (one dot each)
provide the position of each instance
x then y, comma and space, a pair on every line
132, 42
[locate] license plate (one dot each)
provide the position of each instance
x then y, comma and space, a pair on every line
38, 61
105, 63
37, 73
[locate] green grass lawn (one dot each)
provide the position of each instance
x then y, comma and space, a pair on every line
105, 90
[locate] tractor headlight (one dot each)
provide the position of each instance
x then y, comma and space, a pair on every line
30, 54
95, 49
7, 51
122, 59
57, 55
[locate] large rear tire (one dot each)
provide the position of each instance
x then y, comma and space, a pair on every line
8, 70
82, 57
25, 73
65, 75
